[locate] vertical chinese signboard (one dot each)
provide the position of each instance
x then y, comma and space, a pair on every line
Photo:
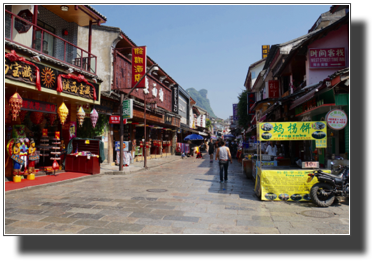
250, 102
265, 50
175, 98
127, 109
235, 112
273, 89
139, 65
326, 58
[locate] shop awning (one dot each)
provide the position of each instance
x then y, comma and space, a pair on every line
203, 133
303, 99
263, 118
317, 110
189, 129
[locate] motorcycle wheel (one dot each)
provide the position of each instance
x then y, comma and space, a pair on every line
318, 198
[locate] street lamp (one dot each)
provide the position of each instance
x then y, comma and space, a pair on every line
154, 67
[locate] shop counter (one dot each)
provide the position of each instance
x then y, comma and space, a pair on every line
284, 183
82, 164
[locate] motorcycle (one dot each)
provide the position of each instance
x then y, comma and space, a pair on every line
329, 186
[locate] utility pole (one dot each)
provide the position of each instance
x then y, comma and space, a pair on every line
122, 97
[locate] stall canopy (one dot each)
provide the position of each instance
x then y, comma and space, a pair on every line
192, 137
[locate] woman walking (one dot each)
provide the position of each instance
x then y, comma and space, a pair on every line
224, 156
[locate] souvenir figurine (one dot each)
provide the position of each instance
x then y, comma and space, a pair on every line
17, 162
24, 154
32, 157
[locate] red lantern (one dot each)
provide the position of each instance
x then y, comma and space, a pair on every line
36, 117
52, 117
22, 115
15, 102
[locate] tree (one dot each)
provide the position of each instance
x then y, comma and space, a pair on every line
243, 117
208, 124
87, 131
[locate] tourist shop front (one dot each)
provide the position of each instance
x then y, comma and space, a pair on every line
42, 103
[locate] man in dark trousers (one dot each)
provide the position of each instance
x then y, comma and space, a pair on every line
224, 156
211, 150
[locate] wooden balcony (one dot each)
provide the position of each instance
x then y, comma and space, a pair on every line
23, 32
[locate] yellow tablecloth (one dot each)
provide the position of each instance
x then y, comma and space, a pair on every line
285, 185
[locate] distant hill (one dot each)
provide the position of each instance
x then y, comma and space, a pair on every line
201, 98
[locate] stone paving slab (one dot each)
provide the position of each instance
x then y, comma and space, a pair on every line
194, 203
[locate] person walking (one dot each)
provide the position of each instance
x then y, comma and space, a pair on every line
224, 156
211, 150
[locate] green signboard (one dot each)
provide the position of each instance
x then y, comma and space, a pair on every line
128, 109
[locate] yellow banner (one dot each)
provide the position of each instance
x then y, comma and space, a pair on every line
292, 131
290, 185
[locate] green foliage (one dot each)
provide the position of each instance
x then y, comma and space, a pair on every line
243, 117
201, 99
208, 123
87, 131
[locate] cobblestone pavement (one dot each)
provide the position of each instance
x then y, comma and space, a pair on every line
180, 197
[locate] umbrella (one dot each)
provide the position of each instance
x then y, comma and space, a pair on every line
228, 136
193, 137
214, 137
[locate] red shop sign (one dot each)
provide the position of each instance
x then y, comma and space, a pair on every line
326, 57
32, 105
273, 89
139, 66
115, 119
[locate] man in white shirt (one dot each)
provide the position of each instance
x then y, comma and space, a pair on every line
271, 150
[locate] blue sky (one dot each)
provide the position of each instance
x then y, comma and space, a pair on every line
211, 46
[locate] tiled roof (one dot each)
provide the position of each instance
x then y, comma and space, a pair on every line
95, 11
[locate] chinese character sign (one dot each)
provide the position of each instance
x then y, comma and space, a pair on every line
128, 109
115, 119
292, 131
175, 99
327, 58
265, 50
139, 66
250, 102
273, 89
235, 112
337, 119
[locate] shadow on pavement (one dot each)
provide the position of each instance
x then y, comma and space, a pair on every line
237, 184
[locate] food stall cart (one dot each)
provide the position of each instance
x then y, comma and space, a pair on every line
283, 182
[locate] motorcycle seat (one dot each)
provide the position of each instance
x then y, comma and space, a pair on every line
333, 176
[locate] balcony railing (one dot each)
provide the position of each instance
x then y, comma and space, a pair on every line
25, 33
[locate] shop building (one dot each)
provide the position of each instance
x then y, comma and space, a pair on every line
48, 69
162, 123
309, 77
200, 122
